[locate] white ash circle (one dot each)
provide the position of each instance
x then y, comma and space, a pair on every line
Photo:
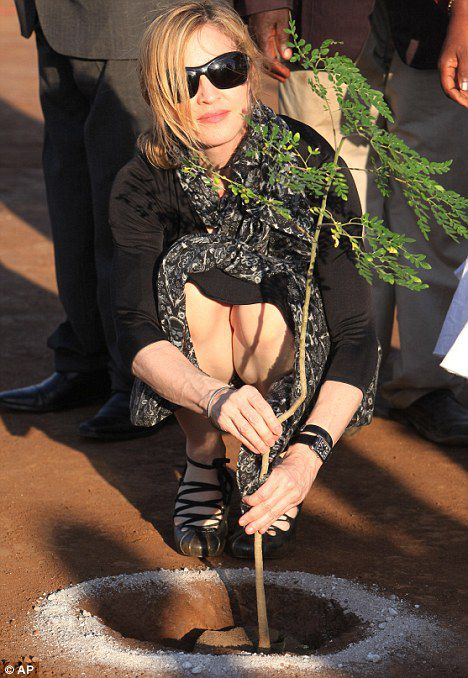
85, 639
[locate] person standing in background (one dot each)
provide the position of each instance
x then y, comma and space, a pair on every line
398, 56
433, 120
315, 22
93, 114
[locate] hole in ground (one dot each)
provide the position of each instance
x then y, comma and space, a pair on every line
171, 617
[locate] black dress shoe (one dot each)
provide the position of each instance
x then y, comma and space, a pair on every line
437, 416
112, 422
62, 390
241, 544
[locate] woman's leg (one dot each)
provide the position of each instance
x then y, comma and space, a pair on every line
262, 345
210, 331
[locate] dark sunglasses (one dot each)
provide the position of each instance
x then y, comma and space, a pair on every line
224, 71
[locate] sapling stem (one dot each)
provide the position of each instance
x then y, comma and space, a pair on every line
262, 614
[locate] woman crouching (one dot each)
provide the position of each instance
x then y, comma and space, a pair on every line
209, 290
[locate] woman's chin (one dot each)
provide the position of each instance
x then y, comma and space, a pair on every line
219, 138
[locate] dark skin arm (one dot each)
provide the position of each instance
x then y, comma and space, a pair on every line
453, 62
267, 29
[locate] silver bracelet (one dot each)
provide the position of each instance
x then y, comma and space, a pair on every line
209, 406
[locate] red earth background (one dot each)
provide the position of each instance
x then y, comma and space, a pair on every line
389, 509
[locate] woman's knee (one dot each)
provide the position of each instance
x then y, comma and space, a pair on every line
263, 345
260, 327
206, 318
210, 332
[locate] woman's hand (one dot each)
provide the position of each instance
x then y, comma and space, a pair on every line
248, 417
286, 487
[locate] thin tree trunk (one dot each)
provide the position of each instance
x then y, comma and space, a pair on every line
263, 629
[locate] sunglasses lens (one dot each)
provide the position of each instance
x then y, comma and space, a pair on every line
193, 79
230, 70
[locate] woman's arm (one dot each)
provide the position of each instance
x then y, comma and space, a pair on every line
136, 219
138, 237
163, 367
335, 406
245, 413
290, 482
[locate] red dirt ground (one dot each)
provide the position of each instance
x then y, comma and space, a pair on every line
388, 510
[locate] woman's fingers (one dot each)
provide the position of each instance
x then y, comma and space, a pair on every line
287, 485
268, 515
238, 426
264, 409
248, 416
265, 525
247, 435
270, 488
266, 509
259, 426
269, 502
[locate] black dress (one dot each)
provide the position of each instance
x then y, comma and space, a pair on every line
159, 220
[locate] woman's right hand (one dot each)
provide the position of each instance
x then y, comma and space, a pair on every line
245, 414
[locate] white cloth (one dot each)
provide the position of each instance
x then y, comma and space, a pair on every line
453, 338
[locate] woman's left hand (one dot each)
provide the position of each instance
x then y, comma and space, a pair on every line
286, 487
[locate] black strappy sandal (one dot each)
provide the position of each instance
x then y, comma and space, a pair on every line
197, 541
241, 544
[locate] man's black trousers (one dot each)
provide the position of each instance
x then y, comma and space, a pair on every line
93, 113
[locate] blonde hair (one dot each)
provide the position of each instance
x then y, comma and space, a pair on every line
162, 74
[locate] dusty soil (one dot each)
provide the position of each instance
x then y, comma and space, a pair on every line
388, 510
